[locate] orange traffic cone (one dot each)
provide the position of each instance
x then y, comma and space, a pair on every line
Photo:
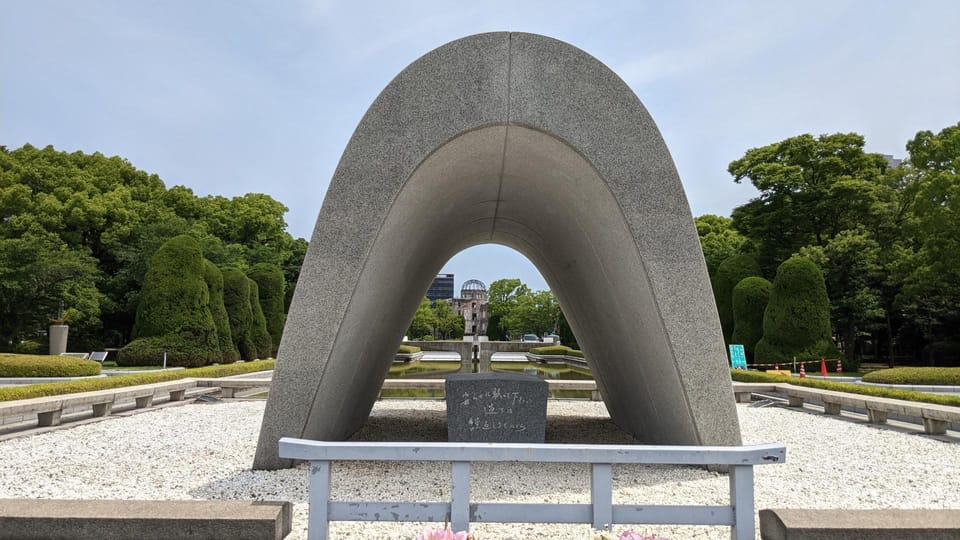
823, 367
803, 372
839, 367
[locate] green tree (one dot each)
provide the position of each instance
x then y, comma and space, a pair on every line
730, 272
258, 327
39, 274
851, 266
270, 282
423, 320
104, 208
796, 323
810, 190
447, 324
174, 313
718, 239
236, 300
502, 299
750, 298
534, 313
931, 290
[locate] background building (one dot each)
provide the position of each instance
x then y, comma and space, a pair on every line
472, 304
441, 288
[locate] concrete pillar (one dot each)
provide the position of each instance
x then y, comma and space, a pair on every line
58, 338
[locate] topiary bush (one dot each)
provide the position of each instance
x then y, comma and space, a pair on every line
796, 323
270, 281
915, 375
236, 300
214, 279
181, 351
750, 298
24, 365
174, 310
258, 327
408, 349
730, 272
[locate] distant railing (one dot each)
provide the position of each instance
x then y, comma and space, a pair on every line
601, 512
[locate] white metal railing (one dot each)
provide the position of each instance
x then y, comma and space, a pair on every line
601, 512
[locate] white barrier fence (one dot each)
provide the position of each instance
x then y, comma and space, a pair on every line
601, 512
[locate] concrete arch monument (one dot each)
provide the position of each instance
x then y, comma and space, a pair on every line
526, 141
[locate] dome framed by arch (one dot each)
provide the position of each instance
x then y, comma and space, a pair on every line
525, 141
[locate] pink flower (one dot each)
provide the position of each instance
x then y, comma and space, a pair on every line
442, 534
631, 535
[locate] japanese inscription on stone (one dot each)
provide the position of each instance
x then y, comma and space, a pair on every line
496, 407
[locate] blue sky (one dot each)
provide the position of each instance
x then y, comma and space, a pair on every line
231, 97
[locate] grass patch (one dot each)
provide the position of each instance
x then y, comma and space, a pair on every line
104, 383
408, 349
907, 395
557, 350
915, 375
31, 365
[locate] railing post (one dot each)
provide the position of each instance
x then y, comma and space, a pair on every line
460, 495
601, 495
741, 497
319, 500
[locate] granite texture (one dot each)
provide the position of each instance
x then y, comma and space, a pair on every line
496, 407
844, 524
529, 142
47, 519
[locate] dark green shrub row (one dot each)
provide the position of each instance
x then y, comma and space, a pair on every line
270, 281
23, 365
105, 383
214, 278
258, 330
407, 349
730, 272
923, 397
915, 375
556, 350
750, 298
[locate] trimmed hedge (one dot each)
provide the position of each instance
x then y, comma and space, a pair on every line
32, 346
407, 349
258, 329
24, 365
236, 300
105, 383
558, 350
270, 280
750, 298
174, 310
214, 279
908, 395
915, 375
796, 323
731, 271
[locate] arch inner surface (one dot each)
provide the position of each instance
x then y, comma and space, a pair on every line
522, 188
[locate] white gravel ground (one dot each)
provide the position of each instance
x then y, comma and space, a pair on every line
204, 451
